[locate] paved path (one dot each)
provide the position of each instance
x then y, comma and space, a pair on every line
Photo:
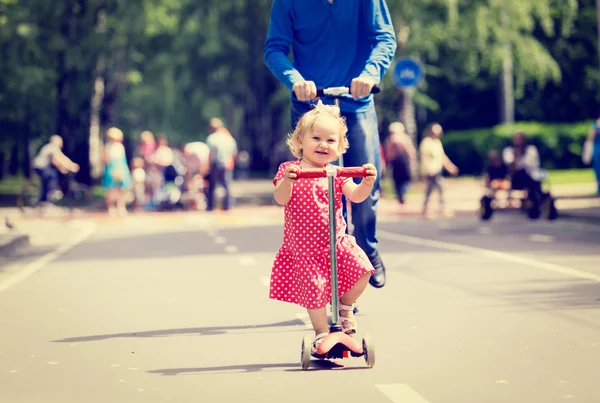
175, 308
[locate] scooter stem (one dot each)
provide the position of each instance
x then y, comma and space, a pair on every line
335, 313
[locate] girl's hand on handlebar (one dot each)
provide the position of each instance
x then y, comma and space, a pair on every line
305, 90
371, 174
361, 87
290, 173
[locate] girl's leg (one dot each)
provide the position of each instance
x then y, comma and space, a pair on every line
121, 203
353, 294
109, 196
318, 318
430, 183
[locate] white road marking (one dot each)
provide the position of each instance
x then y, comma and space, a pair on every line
541, 238
266, 280
220, 240
247, 261
484, 230
401, 393
231, 249
571, 225
490, 254
41, 262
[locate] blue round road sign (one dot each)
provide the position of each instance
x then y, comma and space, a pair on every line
407, 73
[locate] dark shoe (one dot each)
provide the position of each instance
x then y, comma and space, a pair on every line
377, 279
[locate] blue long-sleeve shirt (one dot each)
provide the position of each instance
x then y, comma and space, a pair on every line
332, 43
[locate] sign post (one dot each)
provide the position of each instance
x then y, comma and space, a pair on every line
407, 75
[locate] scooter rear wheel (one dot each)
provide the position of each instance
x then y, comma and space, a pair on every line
369, 350
305, 353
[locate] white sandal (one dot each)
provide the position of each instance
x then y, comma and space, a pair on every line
317, 341
349, 325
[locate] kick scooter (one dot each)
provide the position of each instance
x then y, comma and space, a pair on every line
337, 344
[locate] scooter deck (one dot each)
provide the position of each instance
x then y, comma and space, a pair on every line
339, 345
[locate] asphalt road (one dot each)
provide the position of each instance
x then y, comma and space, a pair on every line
175, 308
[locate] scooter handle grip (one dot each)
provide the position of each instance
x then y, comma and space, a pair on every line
352, 172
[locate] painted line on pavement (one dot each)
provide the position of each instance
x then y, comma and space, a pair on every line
247, 260
401, 393
490, 254
541, 238
41, 262
305, 319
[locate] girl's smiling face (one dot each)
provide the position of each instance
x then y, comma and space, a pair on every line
321, 143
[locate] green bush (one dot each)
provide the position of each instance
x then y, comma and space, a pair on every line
560, 145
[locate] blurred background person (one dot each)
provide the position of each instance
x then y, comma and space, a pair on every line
523, 162
399, 151
48, 162
117, 176
496, 172
223, 151
433, 162
593, 150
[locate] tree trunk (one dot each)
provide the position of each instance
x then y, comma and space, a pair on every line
507, 86
95, 139
407, 116
598, 18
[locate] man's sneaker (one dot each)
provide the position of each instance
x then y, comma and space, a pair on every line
377, 279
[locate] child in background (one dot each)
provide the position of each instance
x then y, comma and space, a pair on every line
138, 176
301, 273
433, 162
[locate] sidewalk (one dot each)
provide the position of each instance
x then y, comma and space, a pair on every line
461, 195
574, 202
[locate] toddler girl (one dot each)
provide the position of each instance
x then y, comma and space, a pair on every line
301, 273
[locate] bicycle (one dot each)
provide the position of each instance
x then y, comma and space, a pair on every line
29, 202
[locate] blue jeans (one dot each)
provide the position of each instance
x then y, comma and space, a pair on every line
363, 137
49, 178
219, 175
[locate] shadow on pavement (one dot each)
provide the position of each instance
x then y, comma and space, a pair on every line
202, 331
292, 367
579, 295
236, 368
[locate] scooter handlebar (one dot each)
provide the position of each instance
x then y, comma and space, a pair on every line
335, 92
352, 172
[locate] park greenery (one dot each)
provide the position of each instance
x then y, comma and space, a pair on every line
77, 67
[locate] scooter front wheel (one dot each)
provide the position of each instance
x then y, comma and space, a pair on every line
368, 350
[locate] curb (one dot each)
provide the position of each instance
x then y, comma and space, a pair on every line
13, 243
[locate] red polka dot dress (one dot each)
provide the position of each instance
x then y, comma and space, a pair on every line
301, 273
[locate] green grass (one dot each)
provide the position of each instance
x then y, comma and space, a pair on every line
12, 186
556, 178
571, 176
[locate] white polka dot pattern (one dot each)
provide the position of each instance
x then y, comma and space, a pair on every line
301, 273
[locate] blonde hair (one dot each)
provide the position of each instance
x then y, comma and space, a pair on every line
137, 162
147, 135
396, 127
114, 133
307, 121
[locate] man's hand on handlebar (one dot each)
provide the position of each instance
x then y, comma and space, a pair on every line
361, 87
305, 90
